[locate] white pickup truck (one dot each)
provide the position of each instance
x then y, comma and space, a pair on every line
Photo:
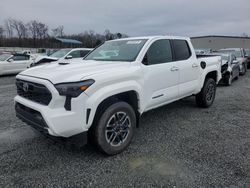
103, 97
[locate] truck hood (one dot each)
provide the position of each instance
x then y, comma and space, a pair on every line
73, 72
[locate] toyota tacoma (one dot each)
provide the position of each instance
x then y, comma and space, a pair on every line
103, 97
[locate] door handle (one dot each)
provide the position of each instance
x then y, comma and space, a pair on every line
194, 65
174, 69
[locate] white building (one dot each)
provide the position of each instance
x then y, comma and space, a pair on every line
219, 42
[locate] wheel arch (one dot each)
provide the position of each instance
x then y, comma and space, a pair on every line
132, 97
213, 75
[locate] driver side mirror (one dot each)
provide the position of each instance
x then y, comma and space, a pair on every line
69, 57
10, 60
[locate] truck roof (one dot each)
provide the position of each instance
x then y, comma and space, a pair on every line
155, 37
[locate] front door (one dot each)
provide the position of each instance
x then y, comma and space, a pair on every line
161, 75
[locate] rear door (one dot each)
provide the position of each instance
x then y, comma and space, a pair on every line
161, 75
188, 65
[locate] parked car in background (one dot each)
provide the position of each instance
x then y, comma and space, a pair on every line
240, 55
13, 64
230, 68
63, 54
247, 55
203, 51
103, 98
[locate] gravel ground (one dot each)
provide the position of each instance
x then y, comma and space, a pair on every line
178, 145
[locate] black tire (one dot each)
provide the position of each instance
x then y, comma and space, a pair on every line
244, 69
206, 96
102, 132
228, 80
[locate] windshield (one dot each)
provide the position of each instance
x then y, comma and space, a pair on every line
60, 53
4, 57
120, 50
234, 52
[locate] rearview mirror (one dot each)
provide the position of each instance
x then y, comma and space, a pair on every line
10, 60
69, 57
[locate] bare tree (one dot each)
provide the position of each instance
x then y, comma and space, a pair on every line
42, 31
20, 28
8, 28
33, 28
1, 31
58, 32
24, 29
108, 35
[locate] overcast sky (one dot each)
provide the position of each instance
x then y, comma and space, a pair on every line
136, 17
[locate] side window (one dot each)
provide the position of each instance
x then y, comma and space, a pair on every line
20, 57
181, 50
75, 54
159, 52
84, 52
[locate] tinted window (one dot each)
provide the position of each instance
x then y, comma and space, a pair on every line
20, 57
181, 50
75, 54
159, 52
84, 52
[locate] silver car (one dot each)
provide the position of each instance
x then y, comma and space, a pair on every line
239, 53
230, 68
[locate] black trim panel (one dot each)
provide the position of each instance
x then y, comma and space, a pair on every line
31, 117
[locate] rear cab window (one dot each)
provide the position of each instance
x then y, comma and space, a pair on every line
181, 50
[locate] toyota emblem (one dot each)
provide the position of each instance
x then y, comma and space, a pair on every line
26, 87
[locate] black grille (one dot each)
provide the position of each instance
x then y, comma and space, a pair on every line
33, 91
31, 117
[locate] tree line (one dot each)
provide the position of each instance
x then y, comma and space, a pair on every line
35, 34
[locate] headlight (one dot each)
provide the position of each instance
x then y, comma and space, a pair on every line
73, 89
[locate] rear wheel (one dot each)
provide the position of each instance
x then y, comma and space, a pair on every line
115, 128
207, 94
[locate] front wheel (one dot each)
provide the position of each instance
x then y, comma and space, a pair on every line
207, 94
115, 128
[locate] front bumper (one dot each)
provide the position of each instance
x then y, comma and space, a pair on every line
53, 119
31, 117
